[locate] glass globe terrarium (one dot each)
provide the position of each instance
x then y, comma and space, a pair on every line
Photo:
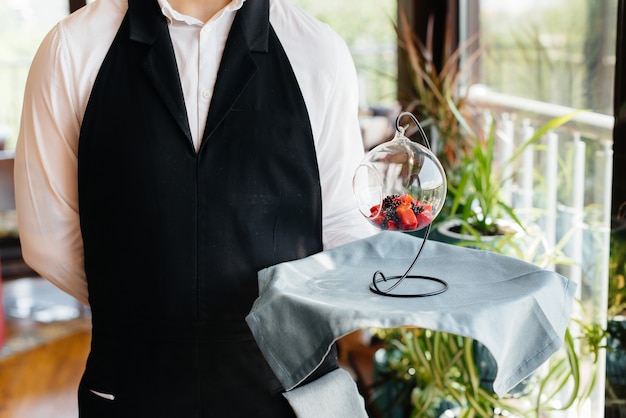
401, 186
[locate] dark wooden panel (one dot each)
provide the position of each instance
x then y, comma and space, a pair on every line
76, 4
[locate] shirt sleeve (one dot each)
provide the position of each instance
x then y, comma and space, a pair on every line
340, 151
46, 189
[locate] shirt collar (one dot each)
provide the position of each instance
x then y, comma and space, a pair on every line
172, 15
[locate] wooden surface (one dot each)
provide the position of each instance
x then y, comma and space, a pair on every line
43, 382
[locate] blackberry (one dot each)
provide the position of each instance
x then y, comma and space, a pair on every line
392, 215
389, 215
390, 202
416, 209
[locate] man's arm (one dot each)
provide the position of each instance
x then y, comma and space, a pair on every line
340, 150
46, 171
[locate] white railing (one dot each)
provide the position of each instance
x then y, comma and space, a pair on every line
565, 182
568, 172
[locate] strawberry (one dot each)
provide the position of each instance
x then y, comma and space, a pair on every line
425, 217
408, 220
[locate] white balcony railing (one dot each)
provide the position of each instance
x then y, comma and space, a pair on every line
564, 184
568, 173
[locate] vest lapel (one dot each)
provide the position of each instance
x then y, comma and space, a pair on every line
148, 26
245, 50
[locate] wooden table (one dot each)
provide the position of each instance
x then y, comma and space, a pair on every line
43, 382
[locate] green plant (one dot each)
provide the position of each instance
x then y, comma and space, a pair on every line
563, 378
434, 94
616, 331
439, 370
477, 200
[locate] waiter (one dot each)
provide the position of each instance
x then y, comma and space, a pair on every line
167, 152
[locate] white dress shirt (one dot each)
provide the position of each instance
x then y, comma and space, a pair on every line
60, 82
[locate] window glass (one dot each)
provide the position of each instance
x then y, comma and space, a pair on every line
23, 24
367, 26
557, 51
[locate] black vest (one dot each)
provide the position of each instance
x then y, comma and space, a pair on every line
174, 239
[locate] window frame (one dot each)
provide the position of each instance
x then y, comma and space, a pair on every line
619, 111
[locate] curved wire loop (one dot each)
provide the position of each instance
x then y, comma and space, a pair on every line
402, 129
379, 276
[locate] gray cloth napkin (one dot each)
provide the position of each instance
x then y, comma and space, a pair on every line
334, 395
516, 309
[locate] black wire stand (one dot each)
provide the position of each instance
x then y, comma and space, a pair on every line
379, 276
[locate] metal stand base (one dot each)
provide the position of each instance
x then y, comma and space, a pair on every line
379, 277
374, 286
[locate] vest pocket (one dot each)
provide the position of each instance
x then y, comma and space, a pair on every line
90, 405
107, 396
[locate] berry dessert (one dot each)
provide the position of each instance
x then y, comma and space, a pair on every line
401, 213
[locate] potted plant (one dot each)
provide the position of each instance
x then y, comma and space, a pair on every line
436, 96
477, 208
